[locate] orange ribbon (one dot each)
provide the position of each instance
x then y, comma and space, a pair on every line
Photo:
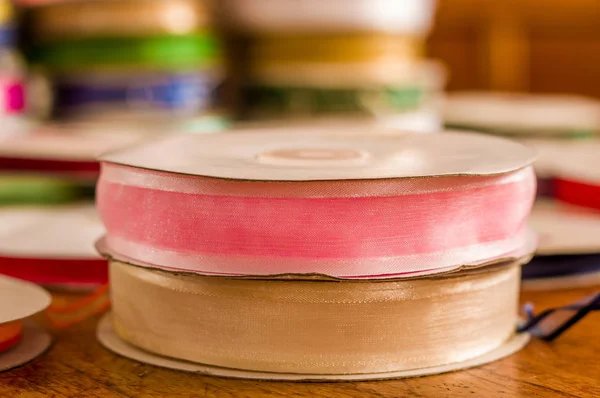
10, 335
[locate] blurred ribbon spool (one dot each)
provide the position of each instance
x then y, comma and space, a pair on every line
20, 340
124, 18
576, 178
423, 120
568, 252
294, 202
552, 124
52, 245
524, 115
318, 328
411, 17
12, 96
297, 91
67, 150
362, 73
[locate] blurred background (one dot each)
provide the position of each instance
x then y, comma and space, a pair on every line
79, 77
543, 46
249, 60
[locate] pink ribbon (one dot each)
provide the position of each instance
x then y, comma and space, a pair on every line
346, 229
12, 96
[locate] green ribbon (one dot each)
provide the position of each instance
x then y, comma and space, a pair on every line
21, 189
307, 101
166, 52
565, 133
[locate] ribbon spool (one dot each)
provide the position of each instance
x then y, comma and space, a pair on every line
423, 120
294, 202
67, 150
549, 123
577, 180
366, 73
52, 246
568, 252
20, 340
411, 17
281, 215
295, 91
524, 114
313, 330
171, 94
125, 18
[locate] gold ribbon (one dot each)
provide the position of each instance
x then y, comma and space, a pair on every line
126, 18
6, 11
316, 327
272, 50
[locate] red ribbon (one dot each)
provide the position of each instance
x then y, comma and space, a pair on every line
88, 169
577, 193
56, 271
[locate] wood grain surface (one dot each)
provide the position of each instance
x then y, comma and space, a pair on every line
77, 366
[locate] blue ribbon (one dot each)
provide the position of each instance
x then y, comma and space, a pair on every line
174, 92
8, 36
551, 323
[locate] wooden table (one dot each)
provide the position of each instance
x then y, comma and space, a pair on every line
77, 366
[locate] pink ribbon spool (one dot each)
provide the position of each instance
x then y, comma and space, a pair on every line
318, 219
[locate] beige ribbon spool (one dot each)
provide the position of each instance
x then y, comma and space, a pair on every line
75, 20
316, 327
18, 301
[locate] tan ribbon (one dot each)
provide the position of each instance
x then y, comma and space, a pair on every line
316, 327
74, 20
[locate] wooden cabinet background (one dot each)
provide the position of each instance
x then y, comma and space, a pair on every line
529, 45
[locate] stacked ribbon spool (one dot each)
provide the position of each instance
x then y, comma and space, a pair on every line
48, 224
564, 130
148, 59
571, 246
358, 58
20, 339
316, 255
12, 92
